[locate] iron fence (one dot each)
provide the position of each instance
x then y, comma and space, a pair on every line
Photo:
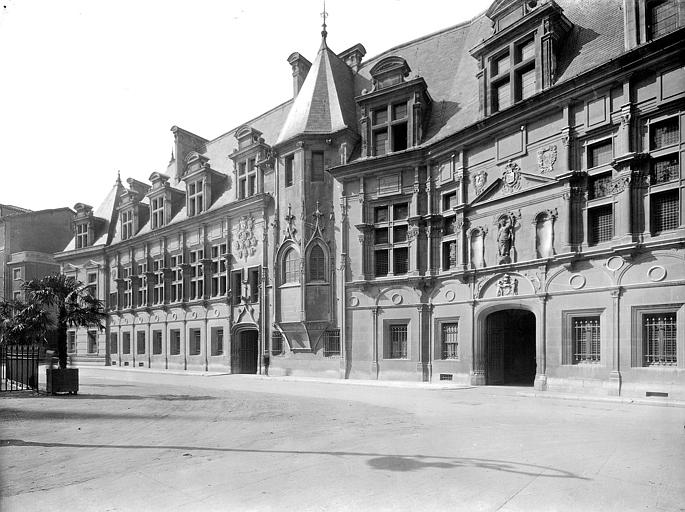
19, 367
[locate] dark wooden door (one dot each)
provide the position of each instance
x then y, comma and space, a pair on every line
247, 353
496, 329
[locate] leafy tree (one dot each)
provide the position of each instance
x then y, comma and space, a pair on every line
23, 322
71, 302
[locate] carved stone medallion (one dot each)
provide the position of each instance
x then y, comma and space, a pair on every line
546, 159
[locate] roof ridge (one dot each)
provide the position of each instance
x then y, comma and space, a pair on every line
250, 121
423, 38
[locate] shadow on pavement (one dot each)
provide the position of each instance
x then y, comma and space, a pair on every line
165, 398
377, 461
49, 415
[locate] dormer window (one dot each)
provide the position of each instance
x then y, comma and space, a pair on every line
157, 212
247, 178
196, 197
390, 128
126, 224
250, 158
513, 79
81, 235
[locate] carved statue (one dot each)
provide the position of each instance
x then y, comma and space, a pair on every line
507, 286
505, 238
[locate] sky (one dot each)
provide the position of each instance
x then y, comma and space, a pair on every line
89, 88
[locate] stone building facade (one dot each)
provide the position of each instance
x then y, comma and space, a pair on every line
500, 202
28, 240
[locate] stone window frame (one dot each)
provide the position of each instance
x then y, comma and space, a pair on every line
567, 340
127, 273
438, 338
390, 224
637, 315
196, 288
194, 341
158, 284
388, 324
289, 170
290, 267
16, 274
71, 342
157, 342
390, 124
175, 342
142, 297
217, 341
649, 22
514, 73
219, 270
127, 224
141, 343
317, 267
246, 172
126, 342
177, 281
113, 343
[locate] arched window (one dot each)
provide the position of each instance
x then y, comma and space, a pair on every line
317, 264
291, 267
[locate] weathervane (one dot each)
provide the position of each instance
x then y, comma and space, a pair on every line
324, 33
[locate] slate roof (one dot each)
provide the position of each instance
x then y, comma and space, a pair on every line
325, 103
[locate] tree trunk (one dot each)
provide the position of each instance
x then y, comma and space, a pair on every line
62, 344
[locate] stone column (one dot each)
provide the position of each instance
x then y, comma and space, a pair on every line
478, 349
374, 345
422, 365
615, 374
541, 346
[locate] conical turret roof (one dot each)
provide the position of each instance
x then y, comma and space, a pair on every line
325, 103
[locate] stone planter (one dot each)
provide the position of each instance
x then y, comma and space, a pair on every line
61, 381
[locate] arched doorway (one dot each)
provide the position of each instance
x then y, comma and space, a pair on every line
246, 351
510, 347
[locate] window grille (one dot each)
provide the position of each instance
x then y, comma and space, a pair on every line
449, 338
331, 342
126, 343
398, 341
113, 343
663, 18
317, 264
601, 224
665, 169
665, 133
586, 340
291, 267
600, 153
276, 342
195, 342
659, 340
381, 268
400, 260
665, 211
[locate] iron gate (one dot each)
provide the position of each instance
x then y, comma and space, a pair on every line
19, 367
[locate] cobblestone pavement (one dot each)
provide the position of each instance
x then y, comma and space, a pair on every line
145, 441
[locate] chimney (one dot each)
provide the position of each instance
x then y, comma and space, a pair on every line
300, 67
353, 56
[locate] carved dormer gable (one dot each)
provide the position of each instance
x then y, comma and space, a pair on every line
389, 71
395, 111
520, 58
84, 225
165, 201
251, 159
133, 213
204, 185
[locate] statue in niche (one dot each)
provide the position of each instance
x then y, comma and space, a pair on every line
507, 286
505, 239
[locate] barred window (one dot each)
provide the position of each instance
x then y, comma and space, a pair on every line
665, 169
381, 268
665, 211
663, 17
600, 153
276, 342
317, 264
586, 340
331, 342
664, 133
156, 342
601, 221
659, 340
449, 340
291, 267
398, 341
140, 342
113, 343
400, 260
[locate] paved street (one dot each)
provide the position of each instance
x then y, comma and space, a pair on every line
146, 441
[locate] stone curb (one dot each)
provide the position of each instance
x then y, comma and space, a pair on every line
611, 399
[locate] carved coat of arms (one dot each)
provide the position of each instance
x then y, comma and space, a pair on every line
246, 243
546, 159
507, 286
511, 178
